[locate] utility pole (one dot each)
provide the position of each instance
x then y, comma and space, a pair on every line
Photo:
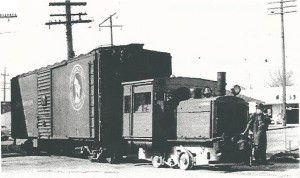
8, 16
282, 11
68, 21
110, 26
4, 84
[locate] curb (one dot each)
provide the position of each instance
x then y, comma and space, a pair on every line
6, 155
281, 127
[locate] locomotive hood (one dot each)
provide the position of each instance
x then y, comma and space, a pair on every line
211, 117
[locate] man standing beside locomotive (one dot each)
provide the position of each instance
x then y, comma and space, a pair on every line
259, 123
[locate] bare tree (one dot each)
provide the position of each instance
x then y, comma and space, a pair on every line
276, 79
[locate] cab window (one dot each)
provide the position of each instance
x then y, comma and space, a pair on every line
142, 102
127, 103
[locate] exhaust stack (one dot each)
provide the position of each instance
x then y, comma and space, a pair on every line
221, 84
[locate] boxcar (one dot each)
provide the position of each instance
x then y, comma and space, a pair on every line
79, 101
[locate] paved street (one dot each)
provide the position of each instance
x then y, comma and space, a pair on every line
276, 139
50, 166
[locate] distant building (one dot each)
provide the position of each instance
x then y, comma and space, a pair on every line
5, 106
272, 97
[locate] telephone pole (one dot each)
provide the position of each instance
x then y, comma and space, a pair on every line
68, 21
110, 26
282, 10
4, 84
8, 16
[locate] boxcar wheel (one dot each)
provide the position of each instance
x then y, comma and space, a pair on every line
113, 159
92, 158
185, 161
85, 154
157, 161
27, 146
4, 138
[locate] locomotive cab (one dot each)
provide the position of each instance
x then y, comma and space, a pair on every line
149, 119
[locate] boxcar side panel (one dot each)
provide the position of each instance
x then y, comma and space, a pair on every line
77, 91
28, 86
44, 103
60, 104
24, 106
71, 99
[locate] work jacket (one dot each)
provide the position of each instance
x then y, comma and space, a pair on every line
259, 124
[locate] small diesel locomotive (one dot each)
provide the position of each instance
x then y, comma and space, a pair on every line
177, 122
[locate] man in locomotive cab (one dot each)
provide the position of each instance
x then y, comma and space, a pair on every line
258, 124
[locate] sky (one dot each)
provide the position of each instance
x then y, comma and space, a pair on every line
203, 36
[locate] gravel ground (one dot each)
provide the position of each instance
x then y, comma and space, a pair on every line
60, 165
284, 164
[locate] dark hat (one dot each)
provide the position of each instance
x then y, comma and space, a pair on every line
259, 106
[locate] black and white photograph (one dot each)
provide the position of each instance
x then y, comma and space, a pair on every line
150, 88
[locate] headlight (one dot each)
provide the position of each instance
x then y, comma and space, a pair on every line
236, 90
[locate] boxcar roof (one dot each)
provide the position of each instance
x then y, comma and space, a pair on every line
81, 56
164, 78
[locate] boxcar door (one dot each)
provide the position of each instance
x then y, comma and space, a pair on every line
142, 111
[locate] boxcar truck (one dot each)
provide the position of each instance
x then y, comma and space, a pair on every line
78, 102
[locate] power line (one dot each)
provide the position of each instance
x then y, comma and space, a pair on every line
4, 84
68, 22
6, 32
79, 14
110, 26
276, 2
8, 16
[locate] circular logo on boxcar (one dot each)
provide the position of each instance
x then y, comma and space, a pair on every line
77, 83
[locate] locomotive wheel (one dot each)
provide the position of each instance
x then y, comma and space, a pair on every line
185, 161
157, 161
